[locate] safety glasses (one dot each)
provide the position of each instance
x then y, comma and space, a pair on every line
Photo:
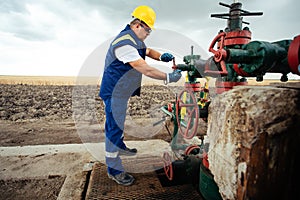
147, 29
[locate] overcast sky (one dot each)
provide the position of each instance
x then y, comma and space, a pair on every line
54, 37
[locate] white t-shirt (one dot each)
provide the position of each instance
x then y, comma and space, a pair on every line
127, 54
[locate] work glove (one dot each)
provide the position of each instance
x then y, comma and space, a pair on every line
166, 57
174, 76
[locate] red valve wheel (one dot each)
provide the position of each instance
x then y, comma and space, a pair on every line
294, 55
220, 54
168, 168
189, 124
189, 149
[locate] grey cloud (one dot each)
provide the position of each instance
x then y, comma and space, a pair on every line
15, 16
182, 16
15, 20
33, 35
280, 19
113, 10
8, 6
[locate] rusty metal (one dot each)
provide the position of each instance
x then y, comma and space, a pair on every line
146, 186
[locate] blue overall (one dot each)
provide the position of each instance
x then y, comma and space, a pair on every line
119, 82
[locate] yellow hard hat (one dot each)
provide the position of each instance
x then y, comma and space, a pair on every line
146, 14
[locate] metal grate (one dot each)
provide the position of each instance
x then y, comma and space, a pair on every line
146, 186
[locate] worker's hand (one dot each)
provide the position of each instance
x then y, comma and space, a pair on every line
166, 57
174, 76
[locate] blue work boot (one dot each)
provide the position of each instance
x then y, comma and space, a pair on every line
122, 179
128, 152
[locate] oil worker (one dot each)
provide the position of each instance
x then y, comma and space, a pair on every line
124, 65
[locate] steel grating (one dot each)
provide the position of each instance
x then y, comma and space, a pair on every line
146, 186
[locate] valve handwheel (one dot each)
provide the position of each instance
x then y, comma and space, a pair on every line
189, 124
219, 55
294, 55
191, 150
168, 168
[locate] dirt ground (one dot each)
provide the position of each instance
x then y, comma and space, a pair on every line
37, 114
47, 115
47, 188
